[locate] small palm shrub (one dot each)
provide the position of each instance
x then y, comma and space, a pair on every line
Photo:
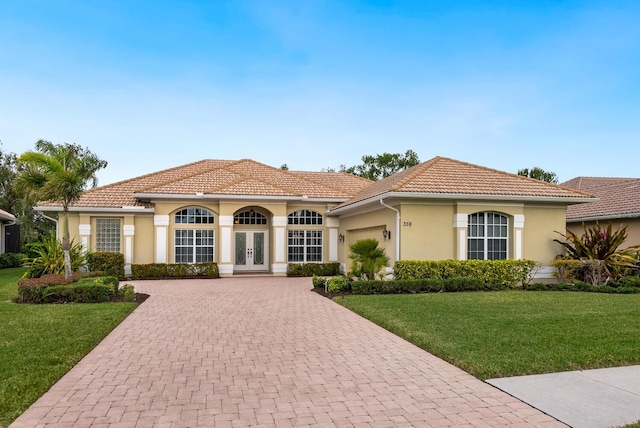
602, 244
367, 259
47, 257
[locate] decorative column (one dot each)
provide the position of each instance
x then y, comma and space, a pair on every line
518, 227
279, 265
333, 224
84, 230
225, 265
460, 225
161, 224
129, 231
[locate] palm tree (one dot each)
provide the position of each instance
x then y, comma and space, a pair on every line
368, 259
59, 173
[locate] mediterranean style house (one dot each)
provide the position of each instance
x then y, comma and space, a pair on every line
618, 203
6, 220
250, 217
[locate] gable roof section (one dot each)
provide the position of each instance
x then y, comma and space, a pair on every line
217, 178
617, 198
443, 177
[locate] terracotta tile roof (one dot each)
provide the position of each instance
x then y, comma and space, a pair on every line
618, 197
444, 176
223, 177
4, 215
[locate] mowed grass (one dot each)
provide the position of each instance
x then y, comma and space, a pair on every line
511, 333
40, 343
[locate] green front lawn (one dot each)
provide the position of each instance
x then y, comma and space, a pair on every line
511, 333
40, 343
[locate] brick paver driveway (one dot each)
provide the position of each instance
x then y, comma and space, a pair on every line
264, 351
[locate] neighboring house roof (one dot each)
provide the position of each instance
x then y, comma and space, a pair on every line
443, 177
617, 198
4, 215
220, 178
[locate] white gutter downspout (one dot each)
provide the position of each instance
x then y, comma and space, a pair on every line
55, 220
397, 228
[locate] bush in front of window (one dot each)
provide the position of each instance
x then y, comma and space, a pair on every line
175, 270
509, 273
111, 264
311, 269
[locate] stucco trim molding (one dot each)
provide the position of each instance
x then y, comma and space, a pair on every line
84, 229
461, 220
161, 220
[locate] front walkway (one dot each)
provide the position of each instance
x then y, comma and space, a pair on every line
264, 351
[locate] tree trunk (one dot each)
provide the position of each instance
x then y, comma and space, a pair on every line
66, 246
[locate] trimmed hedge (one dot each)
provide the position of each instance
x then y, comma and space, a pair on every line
10, 260
111, 264
79, 292
311, 269
509, 273
177, 270
627, 285
431, 285
58, 289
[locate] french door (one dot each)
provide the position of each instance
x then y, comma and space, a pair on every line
252, 251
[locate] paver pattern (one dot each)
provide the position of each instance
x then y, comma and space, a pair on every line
261, 351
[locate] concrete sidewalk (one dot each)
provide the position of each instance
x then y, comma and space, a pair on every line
581, 399
268, 352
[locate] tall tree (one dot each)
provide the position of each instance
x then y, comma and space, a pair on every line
383, 165
59, 173
539, 174
32, 225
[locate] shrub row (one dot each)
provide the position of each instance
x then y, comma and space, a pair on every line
177, 270
508, 273
10, 260
58, 289
431, 285
624, 286
111, 264
311, 269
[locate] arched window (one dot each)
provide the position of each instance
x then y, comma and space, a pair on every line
487, 236
249, 217
304, 246
193, 244
305, 217
194, 215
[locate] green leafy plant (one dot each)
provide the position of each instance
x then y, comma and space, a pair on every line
367, 259
598, 243
10, 260
127, 292
318, 282
49, 258
337, 284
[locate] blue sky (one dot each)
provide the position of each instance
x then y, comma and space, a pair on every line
148, 85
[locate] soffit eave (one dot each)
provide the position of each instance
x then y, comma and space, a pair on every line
465, 196
603, 217
209, 197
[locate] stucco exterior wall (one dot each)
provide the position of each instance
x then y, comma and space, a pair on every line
427, 231
540, 226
